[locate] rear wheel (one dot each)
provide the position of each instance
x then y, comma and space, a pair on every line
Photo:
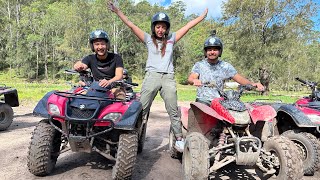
126, 156
6, 116
284, 157
195, 160
44, 149
309, 149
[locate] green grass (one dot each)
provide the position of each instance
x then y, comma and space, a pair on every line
34, 91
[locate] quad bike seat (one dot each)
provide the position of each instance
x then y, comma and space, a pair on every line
314, 105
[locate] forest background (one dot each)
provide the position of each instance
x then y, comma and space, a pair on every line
271, 41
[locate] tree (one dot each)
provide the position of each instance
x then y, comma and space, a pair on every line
265, 33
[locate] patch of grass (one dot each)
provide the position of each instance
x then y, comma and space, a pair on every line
34, 91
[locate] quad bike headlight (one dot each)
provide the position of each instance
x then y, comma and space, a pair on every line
53, 109
112, 116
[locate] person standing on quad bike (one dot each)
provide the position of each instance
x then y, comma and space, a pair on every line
211, 69
159, 68
106, 67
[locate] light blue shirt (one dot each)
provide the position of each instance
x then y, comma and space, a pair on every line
212, 73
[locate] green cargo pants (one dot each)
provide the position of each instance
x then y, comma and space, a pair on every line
166, 84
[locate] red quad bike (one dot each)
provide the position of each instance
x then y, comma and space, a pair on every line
231, 131
95, 121
300, 122
8, 99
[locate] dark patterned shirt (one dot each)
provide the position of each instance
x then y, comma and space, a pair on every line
212, 73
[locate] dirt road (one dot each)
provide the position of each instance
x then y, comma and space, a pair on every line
154, 163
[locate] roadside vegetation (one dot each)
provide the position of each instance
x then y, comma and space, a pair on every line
271, 41
32, 92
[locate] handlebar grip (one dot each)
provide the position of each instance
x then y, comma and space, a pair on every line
134, 84
300, 80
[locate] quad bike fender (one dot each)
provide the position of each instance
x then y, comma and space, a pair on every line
183, 114
41, 107
10, 97
296, 115
202, 118
261, 113
131, 117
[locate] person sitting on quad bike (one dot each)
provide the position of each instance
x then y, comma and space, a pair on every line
221, 129
211, 69
99, 120
106, 67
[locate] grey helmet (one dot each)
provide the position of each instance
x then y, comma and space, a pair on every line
160, 17
213, 41
98, 34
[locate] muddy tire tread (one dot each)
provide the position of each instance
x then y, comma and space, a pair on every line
311, 164
292, 165
40, 159
197, 150
8, 112
126, 156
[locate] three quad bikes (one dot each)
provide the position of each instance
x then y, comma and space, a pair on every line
229, 131
86, 122
8, 99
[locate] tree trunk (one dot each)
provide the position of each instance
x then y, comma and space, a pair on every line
264, 77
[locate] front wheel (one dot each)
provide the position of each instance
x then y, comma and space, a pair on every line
126, 156
6, 116
309, 149
284, 158
195, 159
44, 149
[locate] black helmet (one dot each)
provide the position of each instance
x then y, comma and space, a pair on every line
160, 17
213, 41
125, 72
98, 34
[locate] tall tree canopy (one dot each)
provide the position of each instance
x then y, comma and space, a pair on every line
268, 40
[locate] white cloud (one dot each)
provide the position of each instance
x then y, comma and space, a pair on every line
197, 6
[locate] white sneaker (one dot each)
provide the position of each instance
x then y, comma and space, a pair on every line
179, 146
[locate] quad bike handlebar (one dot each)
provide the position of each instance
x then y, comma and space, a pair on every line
315, 94
311, 84
233, 94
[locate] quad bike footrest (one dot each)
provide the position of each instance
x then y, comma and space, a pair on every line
247, 150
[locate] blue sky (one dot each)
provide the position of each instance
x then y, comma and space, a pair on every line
195, 6
198, 6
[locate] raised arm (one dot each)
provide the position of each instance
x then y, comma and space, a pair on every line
135, 29
181, 32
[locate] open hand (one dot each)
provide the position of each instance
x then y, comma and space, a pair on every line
113, 6
205, 12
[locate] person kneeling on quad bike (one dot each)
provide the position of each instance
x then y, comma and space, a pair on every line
106, 67
211, 69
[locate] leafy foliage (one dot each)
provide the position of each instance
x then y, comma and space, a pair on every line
40, 38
